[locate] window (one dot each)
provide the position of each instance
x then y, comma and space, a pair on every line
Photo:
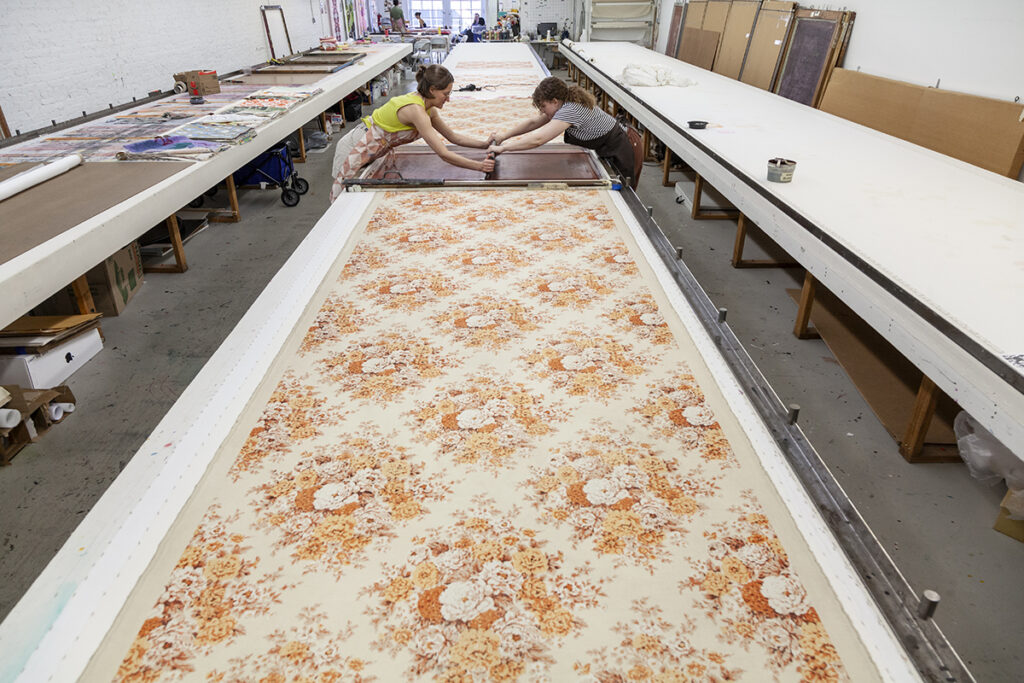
457, 14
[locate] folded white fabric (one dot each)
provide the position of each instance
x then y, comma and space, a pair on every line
649, 75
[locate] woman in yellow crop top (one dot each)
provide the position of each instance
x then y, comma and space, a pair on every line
401, 120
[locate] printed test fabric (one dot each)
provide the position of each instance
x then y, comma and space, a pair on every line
487, 457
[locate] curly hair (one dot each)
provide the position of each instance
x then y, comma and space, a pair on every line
553, 88
432, 76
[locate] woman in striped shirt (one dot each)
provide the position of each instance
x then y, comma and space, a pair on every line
571, 111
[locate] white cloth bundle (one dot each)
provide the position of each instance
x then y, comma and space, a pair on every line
649, 75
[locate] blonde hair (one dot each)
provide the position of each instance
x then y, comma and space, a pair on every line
553, 88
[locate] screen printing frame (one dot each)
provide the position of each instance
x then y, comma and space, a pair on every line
57, 626
363, 181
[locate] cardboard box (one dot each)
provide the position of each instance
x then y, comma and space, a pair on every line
199, 82
38, 370
36, 416
112, 284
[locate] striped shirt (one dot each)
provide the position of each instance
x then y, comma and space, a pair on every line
587, 124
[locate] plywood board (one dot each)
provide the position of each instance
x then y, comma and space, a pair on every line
735, 37
694, 17
715, 15
30, 218
699, 47
882, 375
771, 31
805, 64
979, 130
675, 27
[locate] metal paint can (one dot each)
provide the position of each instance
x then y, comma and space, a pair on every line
781, 170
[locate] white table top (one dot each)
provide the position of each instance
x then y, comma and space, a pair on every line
942, 237
29, 278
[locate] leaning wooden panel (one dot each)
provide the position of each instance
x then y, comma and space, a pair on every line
883, 104
694, 17
979, 130
735, 37
771, 31
699, 47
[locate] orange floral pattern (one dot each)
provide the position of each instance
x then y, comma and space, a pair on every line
485, 419
307, 651
655, 649
489, 322
335, 318
626, 496
568, 287
382, 369
677, 410
485, 460
480, 599
639, 316
295, 412
584, 363
409, 289
745, 585
209, 593
340, 498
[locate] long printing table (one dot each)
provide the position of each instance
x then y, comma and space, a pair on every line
33, 275
925, 248
475, 433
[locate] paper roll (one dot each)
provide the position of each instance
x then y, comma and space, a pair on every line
9, 418
39, 174
68, 407
55, 411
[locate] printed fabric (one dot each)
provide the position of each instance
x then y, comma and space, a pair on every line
488, 456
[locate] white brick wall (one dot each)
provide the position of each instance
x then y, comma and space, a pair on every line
61, 57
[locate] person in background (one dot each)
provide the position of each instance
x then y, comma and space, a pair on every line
398, 18
571, 111
401, 120
419, 20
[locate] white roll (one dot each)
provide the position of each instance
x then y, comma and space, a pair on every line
9, 418
68, 407
39, 174
55, 411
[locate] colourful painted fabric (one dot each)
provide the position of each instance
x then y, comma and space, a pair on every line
488, 458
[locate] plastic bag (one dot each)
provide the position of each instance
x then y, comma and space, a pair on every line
989, 461
316, 140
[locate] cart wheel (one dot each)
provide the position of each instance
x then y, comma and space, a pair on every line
289, 197
301, 185
211, 192
197, 202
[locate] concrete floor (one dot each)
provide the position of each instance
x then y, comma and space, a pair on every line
934, 520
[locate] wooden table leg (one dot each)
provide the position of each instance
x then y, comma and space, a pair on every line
180, 265
737, 252
301, 159
666, 168
323, 122
697, 213
83, 297
924, 408
232, 215
803, 314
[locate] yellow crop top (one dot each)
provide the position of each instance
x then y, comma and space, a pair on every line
386, 116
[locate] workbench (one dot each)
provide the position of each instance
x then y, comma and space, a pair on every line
925, 248
53, 261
